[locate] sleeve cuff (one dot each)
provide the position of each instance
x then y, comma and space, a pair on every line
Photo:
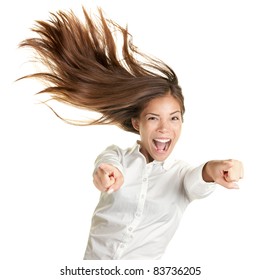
110, 156
195, 186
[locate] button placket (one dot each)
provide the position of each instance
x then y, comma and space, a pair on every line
138, 214
142, 196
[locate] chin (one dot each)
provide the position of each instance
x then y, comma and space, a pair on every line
161, 157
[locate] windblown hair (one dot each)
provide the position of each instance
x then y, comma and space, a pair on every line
86, 69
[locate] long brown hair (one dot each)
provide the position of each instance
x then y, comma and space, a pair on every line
87, 70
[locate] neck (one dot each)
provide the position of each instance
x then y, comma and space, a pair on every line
145, 153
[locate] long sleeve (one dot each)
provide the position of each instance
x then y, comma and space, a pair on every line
194, 184
111, 155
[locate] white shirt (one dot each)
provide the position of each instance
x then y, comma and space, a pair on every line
139, 220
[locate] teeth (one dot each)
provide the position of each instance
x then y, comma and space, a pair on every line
162, 140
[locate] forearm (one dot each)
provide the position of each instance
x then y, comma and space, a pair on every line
110, 156
195, 185
108, 173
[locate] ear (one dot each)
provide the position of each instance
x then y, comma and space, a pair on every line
135, 123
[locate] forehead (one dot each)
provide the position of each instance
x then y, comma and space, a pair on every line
164, 103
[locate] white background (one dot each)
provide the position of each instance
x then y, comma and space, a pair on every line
47, 197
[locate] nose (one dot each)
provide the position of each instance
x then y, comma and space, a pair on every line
163, 127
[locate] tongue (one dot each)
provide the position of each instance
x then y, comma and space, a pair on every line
159, 145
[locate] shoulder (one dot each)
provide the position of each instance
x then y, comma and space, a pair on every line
116, 151
123, 151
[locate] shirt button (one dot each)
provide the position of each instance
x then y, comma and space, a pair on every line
130, 228
138, 215
122, 246
144, 179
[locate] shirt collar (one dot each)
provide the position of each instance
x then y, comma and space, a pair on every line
167, 164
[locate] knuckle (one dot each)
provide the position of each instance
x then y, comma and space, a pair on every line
229, 163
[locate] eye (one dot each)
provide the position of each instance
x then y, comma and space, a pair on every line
175, 118
152, 118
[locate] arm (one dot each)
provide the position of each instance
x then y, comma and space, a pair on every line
223, 172
201, 181
194, 184
108, 173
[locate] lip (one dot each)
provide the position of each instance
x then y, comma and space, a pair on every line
163, 141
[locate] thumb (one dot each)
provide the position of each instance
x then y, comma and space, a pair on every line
227, 184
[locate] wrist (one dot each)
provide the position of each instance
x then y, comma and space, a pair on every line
206, 174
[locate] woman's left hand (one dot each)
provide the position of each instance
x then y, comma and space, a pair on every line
223, 172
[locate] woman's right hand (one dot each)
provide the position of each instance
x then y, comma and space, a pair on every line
107, 178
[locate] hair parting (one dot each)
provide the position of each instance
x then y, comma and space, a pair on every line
86, 68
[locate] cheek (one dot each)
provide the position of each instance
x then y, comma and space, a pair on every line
176, 130
145, 132
145, 127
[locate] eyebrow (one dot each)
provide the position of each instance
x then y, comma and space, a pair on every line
157, 115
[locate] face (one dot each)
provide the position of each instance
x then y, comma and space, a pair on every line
159, 126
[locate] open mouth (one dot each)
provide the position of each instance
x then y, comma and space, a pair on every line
162, 145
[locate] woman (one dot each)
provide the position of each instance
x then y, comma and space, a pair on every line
144, 191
